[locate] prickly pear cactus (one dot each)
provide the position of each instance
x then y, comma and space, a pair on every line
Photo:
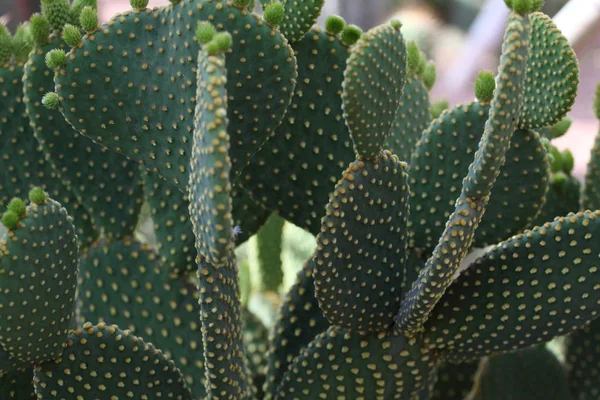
443, 234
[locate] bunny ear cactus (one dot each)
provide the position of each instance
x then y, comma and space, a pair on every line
38, 271
105, 183
113, 361
20, 154
147, 90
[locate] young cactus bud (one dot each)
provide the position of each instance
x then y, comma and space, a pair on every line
78, 6
560, 128
221, 42
138, 5
241, 3
556, 163
22, 43
438, 108
37, 196
88, 19
351, 34
334, 24
5, 45
274, 13
40, 29
50, 101
429, 75
57, 12
56, 58
10, 220
413, 57
71, 35
484, 87
524, 6
205, 32
568, 162
17, 206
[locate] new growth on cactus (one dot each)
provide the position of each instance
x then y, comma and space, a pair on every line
207, 117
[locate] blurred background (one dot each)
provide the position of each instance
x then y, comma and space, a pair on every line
463, 37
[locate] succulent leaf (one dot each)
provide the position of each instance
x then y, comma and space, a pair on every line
373, 82
299, 321
116, 361
512, 296
552, 75
148, 92
296, 170
38, 276
123, 282
361, 250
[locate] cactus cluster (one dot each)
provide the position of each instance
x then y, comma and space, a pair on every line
227, 124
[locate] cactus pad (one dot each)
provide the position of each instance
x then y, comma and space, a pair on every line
590, 199
542, 281
147, 89
459, 232
172, 226
296, 170
256, 339
38, 276
373, 83
299, 321
269, 246
340, 363
299, 17
123, 282
210, 187
562, 198
109, 362
17, 385
552, 75
533, 373
104, 182
361, 249
583, 360
412, 118
455, 381
441, 160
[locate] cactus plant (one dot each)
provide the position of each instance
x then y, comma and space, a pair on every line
218, 118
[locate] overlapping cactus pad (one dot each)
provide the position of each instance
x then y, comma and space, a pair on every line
153, 145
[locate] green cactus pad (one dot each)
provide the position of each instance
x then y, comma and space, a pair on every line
147, 90
583, 361
533, 373
455, 381
340, 363
172, 226
38, 276
441, 160
210, 188
256, 342
111, 362
412, 118
542, 281
361, 249
105, 182
590, 199
299, 320
561, 199
299, 17
124, 282
220, 313
17, 385
269, 246
296, 170
22, 159
373, 83
459, 233
552, 75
